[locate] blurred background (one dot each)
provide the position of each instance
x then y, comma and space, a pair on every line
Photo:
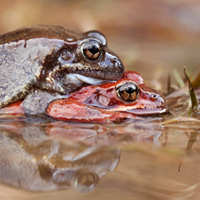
151, 37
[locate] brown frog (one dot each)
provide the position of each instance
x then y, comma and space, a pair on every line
54, 59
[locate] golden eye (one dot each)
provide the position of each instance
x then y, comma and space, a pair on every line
128, 92
91, 50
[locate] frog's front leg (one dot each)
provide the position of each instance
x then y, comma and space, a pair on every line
69, 110
34, 103
13, 109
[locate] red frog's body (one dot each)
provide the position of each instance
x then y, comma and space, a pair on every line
110, 101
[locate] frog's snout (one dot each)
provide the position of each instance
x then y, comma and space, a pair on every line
160, 100
113, 67
119, 68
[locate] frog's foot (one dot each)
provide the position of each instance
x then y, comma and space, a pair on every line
68, 110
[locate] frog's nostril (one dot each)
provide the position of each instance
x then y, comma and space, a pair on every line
154, 96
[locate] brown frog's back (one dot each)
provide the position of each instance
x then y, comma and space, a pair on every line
40, 31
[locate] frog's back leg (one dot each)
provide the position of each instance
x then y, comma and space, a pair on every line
9, 93
15, 76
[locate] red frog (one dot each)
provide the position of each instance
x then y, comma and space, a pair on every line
110, 101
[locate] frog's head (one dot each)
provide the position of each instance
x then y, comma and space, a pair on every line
82, 58
129, 94
138, 99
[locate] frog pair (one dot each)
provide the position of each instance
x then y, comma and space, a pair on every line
58, 62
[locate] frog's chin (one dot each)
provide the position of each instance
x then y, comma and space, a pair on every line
136, 111
88, 80
152, 111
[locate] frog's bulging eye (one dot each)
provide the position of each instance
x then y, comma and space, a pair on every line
92, 50
128, 92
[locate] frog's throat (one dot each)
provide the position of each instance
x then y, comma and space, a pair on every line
88, 80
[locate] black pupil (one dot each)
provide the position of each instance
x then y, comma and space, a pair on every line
129, 90
93, 49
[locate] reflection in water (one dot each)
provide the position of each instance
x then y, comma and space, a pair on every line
157, 159
31, 160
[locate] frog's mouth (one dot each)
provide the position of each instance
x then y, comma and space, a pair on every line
74, 81
88, 80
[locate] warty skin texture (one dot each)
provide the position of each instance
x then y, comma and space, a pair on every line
51, 58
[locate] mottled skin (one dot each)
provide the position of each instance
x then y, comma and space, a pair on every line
102, 103
51, 58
